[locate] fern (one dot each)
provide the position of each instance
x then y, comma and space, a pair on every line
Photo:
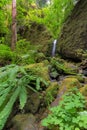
14, 82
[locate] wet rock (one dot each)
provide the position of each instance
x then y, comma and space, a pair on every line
73, 40
84, 72
24, 122
33, 103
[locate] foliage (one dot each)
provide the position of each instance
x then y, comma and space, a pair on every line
61, 67
52, 16
14, 83
4, 16
69, 114
25, 52
57, 15
6, 55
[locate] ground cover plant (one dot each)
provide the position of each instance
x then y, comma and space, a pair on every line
69, 114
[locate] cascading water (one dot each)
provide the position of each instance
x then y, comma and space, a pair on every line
54, 47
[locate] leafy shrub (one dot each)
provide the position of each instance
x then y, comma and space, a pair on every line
22, 46
26, 52
14, 83
69, 114
6, 55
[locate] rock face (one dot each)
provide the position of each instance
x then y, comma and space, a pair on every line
73, 40
38, 35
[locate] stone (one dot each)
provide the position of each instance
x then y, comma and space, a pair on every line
72, 43
33, 103
66, 84
24, 122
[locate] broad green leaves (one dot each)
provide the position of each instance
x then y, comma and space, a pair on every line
69, 114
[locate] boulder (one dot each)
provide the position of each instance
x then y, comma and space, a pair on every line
66, 84
73, 40
41, 69
24, 122
63, 67
33, 103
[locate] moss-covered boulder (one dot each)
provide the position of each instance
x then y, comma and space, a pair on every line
40, 69
60, 66
65, 85
24, 122
69, 83
73, 40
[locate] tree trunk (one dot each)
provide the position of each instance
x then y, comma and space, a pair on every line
14, 31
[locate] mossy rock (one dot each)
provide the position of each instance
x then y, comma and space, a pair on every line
73, 42
40, 69
80, 78
69, 83
51, 92
63, 67
83, 90
24, 122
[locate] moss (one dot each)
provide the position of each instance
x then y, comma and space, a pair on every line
73, 36
51, 92
63, 67
38, 35
40, 69
39, 57
6, 55
69, 83
79, 77
83, 90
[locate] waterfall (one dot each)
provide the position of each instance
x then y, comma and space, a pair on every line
54, 47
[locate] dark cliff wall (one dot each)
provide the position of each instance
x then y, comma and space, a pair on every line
73, 38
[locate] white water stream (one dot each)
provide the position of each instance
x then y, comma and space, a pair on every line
54, 47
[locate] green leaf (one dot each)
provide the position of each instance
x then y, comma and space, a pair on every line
22, 97
77, 128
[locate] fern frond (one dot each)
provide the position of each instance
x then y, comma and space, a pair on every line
14, 81
23, 97
4, 114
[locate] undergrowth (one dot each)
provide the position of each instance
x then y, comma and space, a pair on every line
14, 82
69, 114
